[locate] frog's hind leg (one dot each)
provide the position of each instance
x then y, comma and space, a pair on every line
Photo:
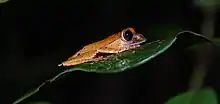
75, 62
82, 58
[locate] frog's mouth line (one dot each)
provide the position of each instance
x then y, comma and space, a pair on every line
137, 43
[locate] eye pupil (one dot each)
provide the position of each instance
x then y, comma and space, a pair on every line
128, 35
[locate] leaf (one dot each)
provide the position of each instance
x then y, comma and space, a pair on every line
207, 3
181, 99
129, 59
203, 96
32, 92
132, 58
3, 1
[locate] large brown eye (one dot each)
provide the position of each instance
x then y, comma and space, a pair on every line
127, 35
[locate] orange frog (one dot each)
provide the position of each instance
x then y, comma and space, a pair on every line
125, 40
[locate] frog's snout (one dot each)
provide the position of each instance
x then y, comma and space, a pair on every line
140, 38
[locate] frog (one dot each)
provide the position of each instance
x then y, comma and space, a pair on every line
119, 42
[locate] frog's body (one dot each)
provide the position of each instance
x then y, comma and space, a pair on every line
116, 43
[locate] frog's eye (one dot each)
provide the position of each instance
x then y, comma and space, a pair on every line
127, 35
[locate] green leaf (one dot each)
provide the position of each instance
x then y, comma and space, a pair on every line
32, 92
3, 1
130, 59
207, 3
203, 96
182, 99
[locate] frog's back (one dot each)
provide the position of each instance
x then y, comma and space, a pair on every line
101, 43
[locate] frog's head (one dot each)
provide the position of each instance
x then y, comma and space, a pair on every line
130, 37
